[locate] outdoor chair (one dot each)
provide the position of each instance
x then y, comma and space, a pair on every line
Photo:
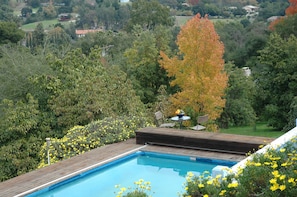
160, 121
200, 120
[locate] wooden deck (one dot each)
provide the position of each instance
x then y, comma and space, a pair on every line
32, 181
201, 140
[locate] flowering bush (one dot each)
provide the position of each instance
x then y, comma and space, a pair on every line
272, 174
141, 189
81, 139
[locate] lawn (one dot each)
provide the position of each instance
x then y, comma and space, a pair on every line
261, 129
47, 24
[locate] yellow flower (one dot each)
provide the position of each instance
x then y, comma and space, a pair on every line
258, 164
222, 192
200, 185
274, 187
274, 165
234, 184
209, 182
282, 150
275, 173
282, 177
282, 187
205, 195
284, 164
291, 180
272, 181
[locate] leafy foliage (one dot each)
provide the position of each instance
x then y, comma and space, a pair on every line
10, 33
269, 174
17, 66
149, 14
20, 117
142, 62
19, 157
199, 69
80, 139
240, 93
292, 9
286, 26
277, 80
89, 91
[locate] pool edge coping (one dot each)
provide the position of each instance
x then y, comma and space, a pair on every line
78, 172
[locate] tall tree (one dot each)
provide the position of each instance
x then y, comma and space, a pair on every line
10, 32
149, 14
17, 65
278, 82
142, 62
89, 91
239, 96
198, 70
292, 9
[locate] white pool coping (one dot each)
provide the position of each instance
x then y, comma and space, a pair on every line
277, 143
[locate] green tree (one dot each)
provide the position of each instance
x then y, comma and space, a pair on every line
89, 91
56, 41
199, 69
107, 17
142, 62
18, 118
277, 81
49, 12
10, 33
149, 14
19, 157
242, 43
272, 8
240, 93
17, 65
26, 11
5, 12
287, 26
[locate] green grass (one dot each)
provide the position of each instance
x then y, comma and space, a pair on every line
47, 25
181, 20
261, 130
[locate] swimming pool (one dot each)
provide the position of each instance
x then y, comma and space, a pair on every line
165, 172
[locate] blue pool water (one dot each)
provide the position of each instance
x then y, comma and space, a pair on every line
165, 172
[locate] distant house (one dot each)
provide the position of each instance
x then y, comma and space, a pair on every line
64, 17
252, 11
250, 8
82, 32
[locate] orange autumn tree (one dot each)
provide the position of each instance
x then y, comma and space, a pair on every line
291, 10
198, 70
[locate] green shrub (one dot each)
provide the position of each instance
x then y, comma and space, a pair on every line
271, 174
81, 139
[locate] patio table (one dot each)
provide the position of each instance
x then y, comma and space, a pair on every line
180, 119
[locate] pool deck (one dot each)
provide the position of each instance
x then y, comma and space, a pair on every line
37, 179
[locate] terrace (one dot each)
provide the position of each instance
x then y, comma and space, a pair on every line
183, 142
